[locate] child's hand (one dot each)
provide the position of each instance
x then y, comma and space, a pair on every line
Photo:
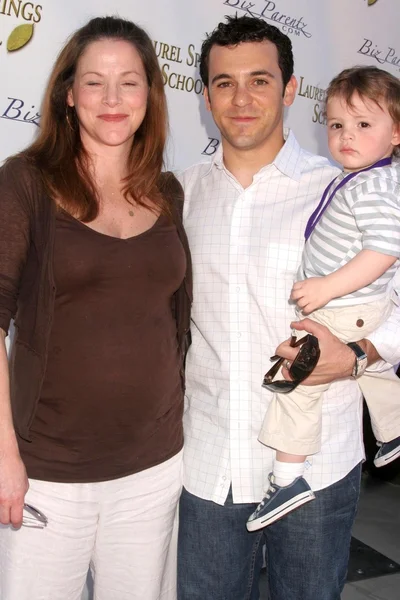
311, 294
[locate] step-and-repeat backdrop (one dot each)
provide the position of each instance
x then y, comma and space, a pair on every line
327, 35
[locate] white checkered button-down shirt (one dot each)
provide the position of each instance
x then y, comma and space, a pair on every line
246, 246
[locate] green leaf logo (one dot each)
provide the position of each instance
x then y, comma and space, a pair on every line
371, 2
19, 37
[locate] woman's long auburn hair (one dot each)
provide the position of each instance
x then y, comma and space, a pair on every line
58, 151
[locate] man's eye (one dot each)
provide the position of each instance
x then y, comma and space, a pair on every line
93, 83
224, 84
130, 83
261, 82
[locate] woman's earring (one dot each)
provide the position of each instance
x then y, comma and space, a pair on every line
67, 116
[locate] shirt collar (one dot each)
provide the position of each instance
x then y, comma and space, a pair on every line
290, 160
217, 160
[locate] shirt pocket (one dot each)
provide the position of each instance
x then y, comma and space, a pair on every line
282, 261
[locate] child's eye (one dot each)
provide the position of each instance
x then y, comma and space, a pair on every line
363, 124
335, 126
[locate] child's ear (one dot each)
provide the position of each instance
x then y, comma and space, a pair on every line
396, 135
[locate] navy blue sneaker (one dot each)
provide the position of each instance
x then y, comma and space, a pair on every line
387, 452
279, 501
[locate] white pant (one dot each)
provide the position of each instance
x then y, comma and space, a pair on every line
122, 529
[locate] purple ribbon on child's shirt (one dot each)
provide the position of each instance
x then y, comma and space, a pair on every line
322, 206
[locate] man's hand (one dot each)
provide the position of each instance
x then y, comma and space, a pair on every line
13, 487
311, 294
336, 360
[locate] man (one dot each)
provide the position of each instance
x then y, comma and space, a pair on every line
245, 215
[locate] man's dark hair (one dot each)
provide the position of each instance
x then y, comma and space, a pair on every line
237, 30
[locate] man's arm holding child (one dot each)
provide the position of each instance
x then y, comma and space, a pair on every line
337, 359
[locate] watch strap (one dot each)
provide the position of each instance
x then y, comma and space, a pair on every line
361, 359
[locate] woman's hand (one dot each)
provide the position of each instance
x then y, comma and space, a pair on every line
13, 487
336, 360
13, 479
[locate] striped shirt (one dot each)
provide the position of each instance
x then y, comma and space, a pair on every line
246, 246
363, 214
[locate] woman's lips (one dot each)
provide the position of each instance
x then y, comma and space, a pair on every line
112, 118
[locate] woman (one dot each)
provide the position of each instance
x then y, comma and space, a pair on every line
95, 269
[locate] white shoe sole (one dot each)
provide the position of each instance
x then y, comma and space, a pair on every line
381, 461
280, 512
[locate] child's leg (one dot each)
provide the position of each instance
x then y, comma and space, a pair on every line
287, 491
382, 394
287, 467
289, 458
381, 390
292, 423
293, 426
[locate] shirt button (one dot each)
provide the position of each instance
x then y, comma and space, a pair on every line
239, 335
238, 289
224, 478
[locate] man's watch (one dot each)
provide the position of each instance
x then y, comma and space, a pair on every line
361, 361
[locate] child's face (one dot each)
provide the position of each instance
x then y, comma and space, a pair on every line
360, 135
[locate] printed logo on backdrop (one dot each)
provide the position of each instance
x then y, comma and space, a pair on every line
211, 147
18, 109
290, 24
17, 37
28, 13
175, 60
382, 54
317, 95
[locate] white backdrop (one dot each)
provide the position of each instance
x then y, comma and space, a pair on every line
327, 36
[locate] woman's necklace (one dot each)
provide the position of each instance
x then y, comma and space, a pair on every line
131, 212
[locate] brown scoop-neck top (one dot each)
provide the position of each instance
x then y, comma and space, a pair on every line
111, 401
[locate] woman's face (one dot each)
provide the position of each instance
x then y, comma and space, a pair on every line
109, 94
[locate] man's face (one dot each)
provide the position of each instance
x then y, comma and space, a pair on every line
246, 96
